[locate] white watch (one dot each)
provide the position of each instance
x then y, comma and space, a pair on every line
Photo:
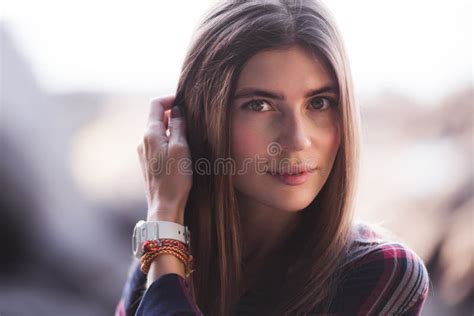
154, 230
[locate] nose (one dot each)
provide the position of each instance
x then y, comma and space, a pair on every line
295, 135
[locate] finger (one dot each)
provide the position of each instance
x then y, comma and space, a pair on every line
177, 125
158, 106
156, 120
166, 121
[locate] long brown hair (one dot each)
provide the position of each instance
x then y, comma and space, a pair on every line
229, 34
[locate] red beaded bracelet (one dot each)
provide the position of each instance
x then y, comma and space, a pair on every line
153, 248
151, 245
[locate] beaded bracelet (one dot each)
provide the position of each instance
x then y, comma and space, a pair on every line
146, 262
181, 249
185, 257
151, 245
147, 259
153, 248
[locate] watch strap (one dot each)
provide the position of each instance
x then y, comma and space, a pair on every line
154, 230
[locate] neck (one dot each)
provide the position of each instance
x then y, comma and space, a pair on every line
264, 228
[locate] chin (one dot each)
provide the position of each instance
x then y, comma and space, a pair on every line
290, 204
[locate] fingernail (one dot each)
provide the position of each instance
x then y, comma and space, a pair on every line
175, 112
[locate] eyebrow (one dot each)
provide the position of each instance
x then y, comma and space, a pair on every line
255, 92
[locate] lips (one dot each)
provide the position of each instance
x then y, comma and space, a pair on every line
293, 171
294, 175
292, 179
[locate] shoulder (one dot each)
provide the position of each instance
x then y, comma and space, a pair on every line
383, 276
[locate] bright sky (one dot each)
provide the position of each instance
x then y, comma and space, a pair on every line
422, 48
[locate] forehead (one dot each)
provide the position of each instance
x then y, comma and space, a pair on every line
286, 68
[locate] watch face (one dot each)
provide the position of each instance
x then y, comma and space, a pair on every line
136, 240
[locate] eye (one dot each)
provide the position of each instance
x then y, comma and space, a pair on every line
257, 106
322, 103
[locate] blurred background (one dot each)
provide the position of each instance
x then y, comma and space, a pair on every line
76, 78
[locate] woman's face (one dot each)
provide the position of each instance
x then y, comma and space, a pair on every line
284, 115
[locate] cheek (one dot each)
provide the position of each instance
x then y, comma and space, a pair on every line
327, 144
327, 133
332, 139
335, 140
244, 146
247, 141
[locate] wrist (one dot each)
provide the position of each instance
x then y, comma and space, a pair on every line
164, 264
165, 216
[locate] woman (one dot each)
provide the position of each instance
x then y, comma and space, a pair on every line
265, 95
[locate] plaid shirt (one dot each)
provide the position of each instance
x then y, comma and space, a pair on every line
387, 279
